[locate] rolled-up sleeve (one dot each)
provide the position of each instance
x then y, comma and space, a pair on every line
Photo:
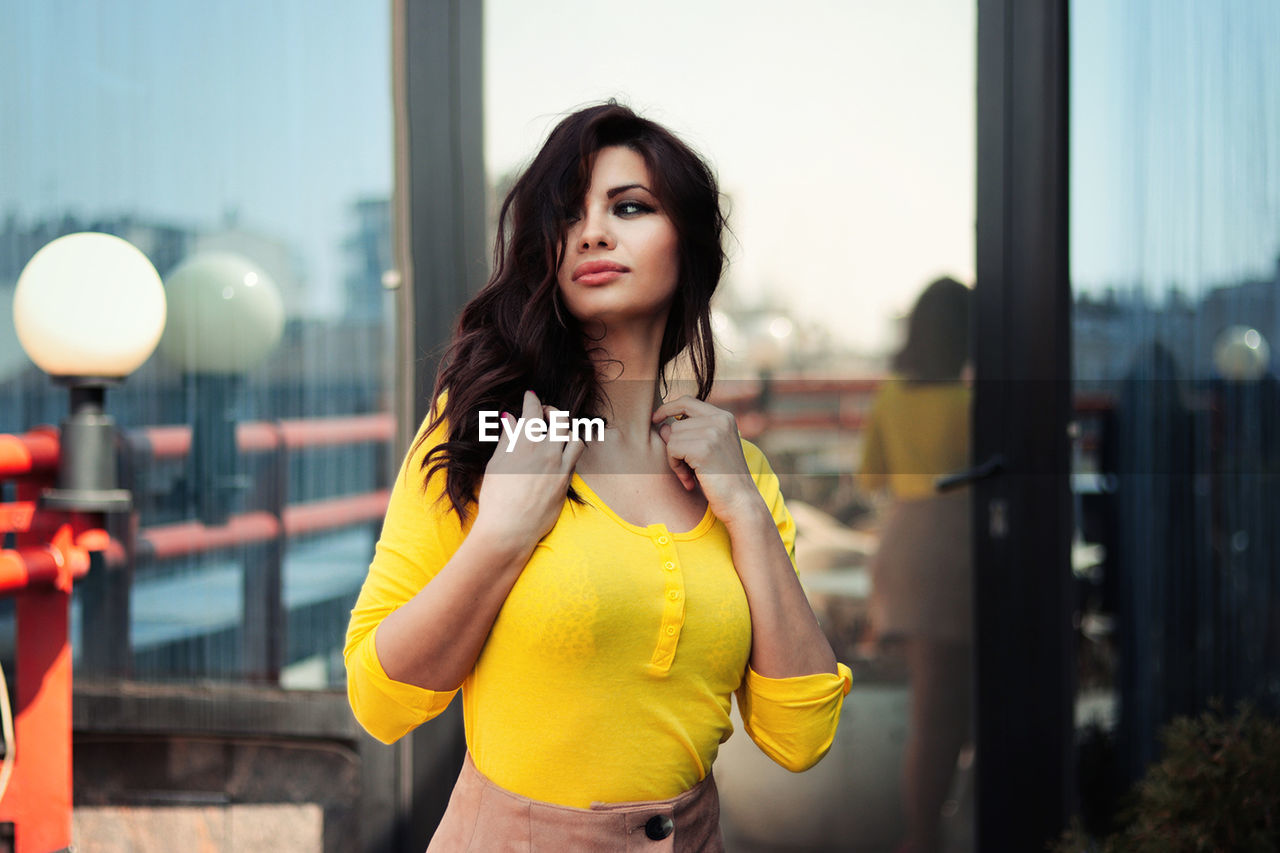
793, 720
419, 535
386, 708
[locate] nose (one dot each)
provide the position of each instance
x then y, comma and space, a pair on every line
595, 232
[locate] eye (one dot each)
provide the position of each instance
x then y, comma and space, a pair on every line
632, 208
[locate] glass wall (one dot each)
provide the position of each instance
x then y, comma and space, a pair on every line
843, 139
1175, 265
246, 150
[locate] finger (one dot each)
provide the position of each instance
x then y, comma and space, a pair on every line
506, 440
683, 471
688, 479
572, 453
548, 412
529, 409
683, 405
664, 432
531, 406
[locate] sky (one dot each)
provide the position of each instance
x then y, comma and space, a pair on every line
1175, 143
842, 130
182, 113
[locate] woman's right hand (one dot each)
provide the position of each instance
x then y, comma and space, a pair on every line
523, 489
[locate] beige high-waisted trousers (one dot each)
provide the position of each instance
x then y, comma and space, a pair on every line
485, 817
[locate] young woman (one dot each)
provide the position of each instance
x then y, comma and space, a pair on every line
596, 601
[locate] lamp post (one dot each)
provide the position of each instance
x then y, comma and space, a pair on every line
769, 348
226, 316
89, 309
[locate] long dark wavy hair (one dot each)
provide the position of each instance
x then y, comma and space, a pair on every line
516, 334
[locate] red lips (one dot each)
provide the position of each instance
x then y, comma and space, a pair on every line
597, 272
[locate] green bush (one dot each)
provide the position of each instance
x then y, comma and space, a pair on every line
1216, 789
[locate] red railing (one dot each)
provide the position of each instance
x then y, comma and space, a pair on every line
192, 537
165, 542
53, 550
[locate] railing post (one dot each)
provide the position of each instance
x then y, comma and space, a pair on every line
106, 592
38, 799
265, 629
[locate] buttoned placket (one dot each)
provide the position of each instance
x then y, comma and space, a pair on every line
673, 596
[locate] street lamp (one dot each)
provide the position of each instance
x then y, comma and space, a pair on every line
225, 317
89, 309
768, 350
1241, 354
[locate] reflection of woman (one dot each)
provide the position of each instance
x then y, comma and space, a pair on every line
918, 430
597, 601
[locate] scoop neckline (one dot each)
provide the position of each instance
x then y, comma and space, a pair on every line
708, 517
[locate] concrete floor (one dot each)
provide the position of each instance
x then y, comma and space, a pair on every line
280, 828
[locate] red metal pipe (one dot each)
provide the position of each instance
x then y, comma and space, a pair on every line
317, 432
301, 519
22, 568
174, 442
35, 451
17, 515
168, 442
191, 537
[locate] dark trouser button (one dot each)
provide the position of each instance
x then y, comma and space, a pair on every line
659, 827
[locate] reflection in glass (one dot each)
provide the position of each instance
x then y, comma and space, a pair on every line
1176, 241
921, 574
263, 132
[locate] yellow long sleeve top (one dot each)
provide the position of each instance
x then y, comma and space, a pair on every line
916, 433
607, 673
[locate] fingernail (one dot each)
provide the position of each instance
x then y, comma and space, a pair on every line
506, 417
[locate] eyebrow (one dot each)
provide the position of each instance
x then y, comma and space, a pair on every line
617, 190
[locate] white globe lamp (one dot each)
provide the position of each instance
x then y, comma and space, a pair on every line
1241, 353
225, 317
89, 304
225, 314
89, 309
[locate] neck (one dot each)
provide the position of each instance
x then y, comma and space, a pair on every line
627, 364
630, 404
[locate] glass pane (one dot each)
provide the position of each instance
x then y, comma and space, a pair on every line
843, 142
1175, 206
246, 150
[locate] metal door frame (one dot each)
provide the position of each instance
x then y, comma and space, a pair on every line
1022, 407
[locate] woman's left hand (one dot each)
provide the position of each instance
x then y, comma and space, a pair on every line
704, 449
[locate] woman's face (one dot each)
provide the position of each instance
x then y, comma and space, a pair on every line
621, 259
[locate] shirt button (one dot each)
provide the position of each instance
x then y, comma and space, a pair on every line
658, 827
662, 540
669, 566
673, 595
671, 632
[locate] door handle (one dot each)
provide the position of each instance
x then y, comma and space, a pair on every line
957, 479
